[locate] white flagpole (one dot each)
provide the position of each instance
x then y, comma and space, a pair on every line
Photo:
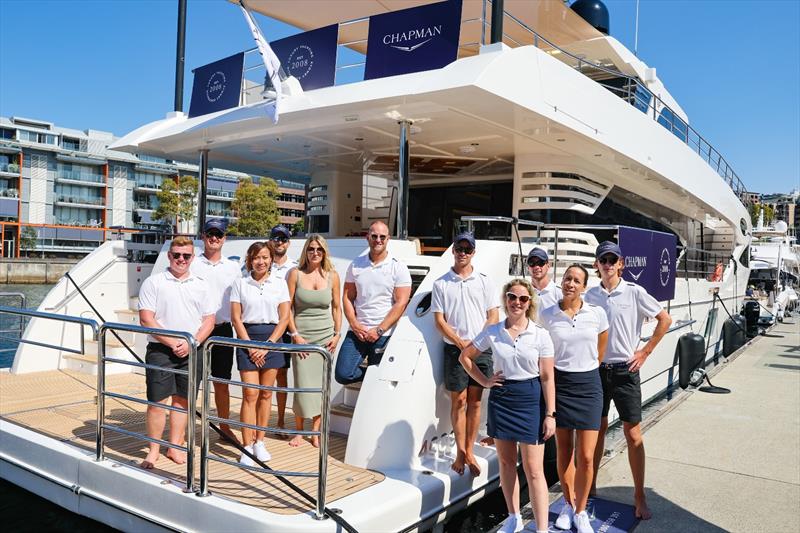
636, 32
271, 61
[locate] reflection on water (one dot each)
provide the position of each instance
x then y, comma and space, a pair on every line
34, 294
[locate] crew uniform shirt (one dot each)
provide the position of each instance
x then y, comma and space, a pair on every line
280, 271
464, 302
518, 358
375, 284
220, 277
575, 339
626, 307
177, 304
548, 297
260, 300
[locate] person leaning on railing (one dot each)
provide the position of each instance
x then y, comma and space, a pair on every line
177, 300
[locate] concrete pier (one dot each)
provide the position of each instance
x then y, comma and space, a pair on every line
34, 270
724, 462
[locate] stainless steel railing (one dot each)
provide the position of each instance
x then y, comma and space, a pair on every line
82, 321
102, 393
323, 433
18, 330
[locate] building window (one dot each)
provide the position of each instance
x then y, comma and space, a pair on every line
6, 133
70, 144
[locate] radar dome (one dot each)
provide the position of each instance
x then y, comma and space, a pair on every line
781, 226
594, 12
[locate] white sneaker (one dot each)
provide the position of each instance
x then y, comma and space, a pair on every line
582, 523
245, 459
564, 520
512, 524
261, 451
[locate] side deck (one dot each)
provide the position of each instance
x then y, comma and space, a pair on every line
62, 405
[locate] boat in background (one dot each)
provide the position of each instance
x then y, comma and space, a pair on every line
774, 269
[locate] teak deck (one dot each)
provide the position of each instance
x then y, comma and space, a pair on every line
61, 405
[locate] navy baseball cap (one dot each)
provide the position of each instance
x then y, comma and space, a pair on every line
220, 224
465, 236
539, 253
280, 230
608, 247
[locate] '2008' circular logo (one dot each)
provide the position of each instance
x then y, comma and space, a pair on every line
663, 267
215, 86
300, 62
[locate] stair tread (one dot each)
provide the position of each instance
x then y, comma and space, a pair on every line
343, 410
353, 386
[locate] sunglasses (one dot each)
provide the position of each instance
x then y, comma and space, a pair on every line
215, 234
514, 297
466, 250
279, 239
376, 237
178, 255
536, 262
315, 251
608, 260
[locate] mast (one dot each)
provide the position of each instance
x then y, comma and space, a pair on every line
179, 55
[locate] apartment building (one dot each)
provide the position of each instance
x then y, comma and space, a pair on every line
63, 192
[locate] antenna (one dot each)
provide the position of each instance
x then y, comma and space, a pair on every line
636, 32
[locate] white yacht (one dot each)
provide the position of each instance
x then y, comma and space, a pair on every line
538, 118
775, 267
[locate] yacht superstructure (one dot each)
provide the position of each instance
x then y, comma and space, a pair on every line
554, 126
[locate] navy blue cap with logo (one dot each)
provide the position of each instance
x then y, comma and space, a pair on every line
465, 236
220, 224
280, 231
538, 253
608, 247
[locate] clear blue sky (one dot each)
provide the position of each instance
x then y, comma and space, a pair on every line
733, 65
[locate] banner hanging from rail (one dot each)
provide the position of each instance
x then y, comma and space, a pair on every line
217, 86
650, 260
310, 56
413, 40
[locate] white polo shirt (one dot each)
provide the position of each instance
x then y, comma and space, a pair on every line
575, 339
178, 304
464, 302
375, 284
280, 271
220, 277
516, 358
260, 300
626, 307
548, 297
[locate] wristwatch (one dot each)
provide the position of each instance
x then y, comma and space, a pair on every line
380, 331
551, 415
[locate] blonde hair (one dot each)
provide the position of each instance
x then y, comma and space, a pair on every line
181, 241
534, 303
327, 264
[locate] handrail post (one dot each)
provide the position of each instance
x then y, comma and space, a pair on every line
204, 427
555, 255
190, 415
101, 388
323, 441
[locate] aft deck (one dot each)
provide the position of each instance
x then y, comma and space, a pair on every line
62, 405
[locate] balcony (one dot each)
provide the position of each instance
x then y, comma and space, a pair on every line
220, 194
7, 191
70, 176
80, 201
147, 187
9, 169
144, 206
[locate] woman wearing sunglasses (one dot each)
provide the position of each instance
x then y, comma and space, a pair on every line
521, 398
259, 312
316, 319
579, 331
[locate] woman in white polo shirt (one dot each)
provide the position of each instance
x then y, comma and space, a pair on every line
259, 312
579, 331
521, 398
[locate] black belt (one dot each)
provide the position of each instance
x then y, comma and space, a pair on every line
613, 365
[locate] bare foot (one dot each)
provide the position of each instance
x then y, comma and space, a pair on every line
296, 441
176, 456
226, 429
458, 464
150, 461
315, 441
642, 510
474, 467
487, 441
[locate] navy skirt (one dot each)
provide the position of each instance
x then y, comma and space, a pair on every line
516, 411
259, 332
579, 399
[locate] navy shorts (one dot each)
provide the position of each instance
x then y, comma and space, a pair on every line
221, 356
456, 378
625, 388
162, 384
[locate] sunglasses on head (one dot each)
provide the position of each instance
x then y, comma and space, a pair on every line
178, 255
315, 251
524, 298
536, 262
215, 233
376, 237
279, 238
466, 250
608, 260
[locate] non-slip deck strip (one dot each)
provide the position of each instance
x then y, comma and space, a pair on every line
61, 405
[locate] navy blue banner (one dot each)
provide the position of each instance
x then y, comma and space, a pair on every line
413, 40
217, 86
650, 260
310, 57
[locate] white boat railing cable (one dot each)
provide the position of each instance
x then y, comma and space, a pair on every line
191, 375
82, 321
320, 511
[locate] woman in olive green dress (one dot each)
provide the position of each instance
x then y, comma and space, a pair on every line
316, 318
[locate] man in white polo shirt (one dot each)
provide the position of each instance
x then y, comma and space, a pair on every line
281, 265
463, 302
626, 305
376, 291
220, 273
546, 290
174, 299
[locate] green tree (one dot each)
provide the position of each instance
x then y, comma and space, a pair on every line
769, 213
257, 208
27, 240
177, 200
298, 227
